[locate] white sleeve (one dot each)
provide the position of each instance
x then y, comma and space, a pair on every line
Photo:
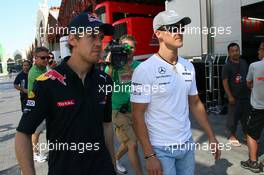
250, 73
193, 89
141, 86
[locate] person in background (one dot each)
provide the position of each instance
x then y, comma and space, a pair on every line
234, 82
52, 63
21, 83
39, 67
255, 122
9, 70
121, 115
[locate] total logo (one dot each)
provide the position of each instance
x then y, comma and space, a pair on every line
66, 103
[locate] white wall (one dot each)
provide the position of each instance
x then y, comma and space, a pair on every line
190, 8
226, 13
64, 50
42, 16
204, 24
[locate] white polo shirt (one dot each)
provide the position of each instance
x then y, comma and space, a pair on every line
166, 91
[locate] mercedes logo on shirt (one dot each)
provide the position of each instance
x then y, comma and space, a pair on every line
162, 70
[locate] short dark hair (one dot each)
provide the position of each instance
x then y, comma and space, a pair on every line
41, 49
50, 53
26, 61
232, 45
128, 37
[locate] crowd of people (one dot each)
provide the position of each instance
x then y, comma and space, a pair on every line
72, 102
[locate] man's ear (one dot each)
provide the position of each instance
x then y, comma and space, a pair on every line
34, 55
72, 40
158, 34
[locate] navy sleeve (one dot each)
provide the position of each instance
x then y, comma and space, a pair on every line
17, 79
35, 110
108, 105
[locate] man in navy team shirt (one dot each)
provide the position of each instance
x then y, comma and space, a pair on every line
20, 83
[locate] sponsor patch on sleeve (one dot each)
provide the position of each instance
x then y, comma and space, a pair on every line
30, 103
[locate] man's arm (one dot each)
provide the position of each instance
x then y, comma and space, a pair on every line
226, 87
107, 121
140, 98
231, 98
198, 111
225, 77
250, 77
24, 153
139, 125
31, 80
153, 164
250, 84
108, 134
17, 87
37, 109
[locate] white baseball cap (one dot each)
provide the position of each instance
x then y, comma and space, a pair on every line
169, 17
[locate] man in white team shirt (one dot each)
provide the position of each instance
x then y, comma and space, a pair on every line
255, 122
163, 91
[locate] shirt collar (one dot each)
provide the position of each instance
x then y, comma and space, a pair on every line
70, 73
39, 68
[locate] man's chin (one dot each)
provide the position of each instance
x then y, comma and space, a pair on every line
179, 45
94, 60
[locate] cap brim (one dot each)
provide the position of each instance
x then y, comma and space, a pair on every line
185, 21
107, 29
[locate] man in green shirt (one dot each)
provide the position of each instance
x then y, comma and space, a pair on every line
121, 115
39, 67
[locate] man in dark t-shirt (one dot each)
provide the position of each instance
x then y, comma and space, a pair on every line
21, 82
234, 81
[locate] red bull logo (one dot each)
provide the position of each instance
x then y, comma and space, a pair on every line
53, 75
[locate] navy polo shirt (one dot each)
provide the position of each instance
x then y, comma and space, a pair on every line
74, 113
